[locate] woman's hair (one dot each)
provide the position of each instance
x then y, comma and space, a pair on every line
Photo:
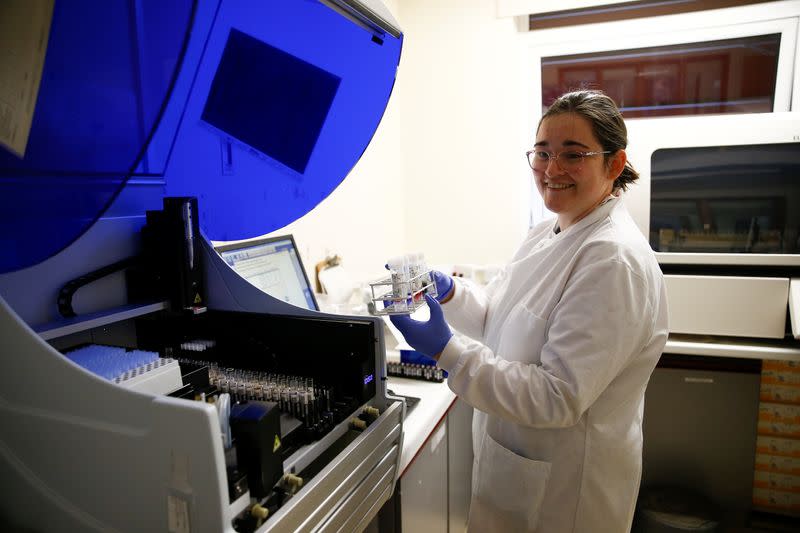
607, 124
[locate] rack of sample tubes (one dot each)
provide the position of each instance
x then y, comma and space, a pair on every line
403, 292
297, 396
309, 408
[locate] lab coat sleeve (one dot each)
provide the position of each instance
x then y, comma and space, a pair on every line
604, 318
466, 310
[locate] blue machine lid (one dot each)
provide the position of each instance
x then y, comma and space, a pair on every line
259, 109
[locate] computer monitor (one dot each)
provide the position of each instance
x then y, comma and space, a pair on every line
269, 100
274, 266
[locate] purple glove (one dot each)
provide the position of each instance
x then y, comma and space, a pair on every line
444, 285
428, 338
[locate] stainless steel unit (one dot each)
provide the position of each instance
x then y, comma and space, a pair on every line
348, 493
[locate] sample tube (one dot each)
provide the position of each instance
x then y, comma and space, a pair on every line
414, 272
409, 289
427, 277
399, 271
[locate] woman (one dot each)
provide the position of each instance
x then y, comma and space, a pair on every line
562, 344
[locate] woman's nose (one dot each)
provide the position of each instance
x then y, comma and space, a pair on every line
553, 162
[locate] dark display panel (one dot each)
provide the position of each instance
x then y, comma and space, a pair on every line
726, 199
269, 100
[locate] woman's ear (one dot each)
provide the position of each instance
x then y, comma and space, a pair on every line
616, 164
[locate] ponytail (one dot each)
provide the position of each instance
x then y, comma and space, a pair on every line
627, 176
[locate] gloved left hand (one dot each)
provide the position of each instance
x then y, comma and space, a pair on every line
428, 338
444, 285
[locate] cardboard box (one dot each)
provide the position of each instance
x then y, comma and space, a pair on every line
778, 463
776, 500
781, 366
777, 446
779, 393
779, 412
776, 481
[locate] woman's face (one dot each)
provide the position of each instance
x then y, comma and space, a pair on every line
575, 193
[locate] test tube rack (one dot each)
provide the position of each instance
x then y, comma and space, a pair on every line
388, 298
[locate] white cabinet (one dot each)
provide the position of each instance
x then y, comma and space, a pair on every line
459, 465
423, 487
435, 488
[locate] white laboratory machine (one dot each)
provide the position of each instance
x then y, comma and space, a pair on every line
148, 384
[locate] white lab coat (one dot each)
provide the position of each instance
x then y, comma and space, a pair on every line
565, 340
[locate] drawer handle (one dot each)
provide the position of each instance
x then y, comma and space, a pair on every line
688, 379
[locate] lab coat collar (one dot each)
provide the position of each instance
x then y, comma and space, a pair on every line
600, 212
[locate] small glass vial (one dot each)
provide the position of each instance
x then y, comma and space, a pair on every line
427, 277
398, 267
414, 273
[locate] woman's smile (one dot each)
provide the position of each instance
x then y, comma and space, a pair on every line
558, 186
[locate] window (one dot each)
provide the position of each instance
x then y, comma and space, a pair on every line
726, 76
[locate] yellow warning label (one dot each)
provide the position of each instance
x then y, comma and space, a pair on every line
197, 298
276, 445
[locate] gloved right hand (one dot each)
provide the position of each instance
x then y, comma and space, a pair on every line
444, 285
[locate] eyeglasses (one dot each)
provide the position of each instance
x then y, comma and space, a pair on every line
539, 160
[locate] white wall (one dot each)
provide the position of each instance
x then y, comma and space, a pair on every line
449, 152
464, 131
